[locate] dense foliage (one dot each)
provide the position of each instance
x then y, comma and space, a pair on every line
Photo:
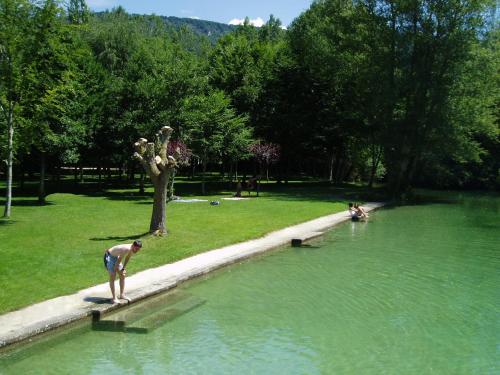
405, 92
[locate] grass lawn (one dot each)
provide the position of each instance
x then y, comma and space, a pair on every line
56, 249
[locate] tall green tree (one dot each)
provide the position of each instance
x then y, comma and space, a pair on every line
329, 51
430, 43
214, 129
53, 89
147, 75
78, 12
469, 157
389, 73
15, 39
242, 61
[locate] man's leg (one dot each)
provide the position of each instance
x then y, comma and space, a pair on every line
122, 286
112, 277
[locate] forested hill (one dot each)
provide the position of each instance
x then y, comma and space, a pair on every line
213, 30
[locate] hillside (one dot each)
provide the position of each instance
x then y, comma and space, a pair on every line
213, 30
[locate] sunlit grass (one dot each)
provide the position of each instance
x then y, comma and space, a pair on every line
57, 249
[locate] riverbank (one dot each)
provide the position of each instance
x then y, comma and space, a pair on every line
41, 317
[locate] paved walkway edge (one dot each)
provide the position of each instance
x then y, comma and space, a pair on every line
30, 321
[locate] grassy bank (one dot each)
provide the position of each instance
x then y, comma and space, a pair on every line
57, 249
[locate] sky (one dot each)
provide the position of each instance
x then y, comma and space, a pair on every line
223, 11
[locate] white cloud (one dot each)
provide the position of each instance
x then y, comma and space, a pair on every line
258, 22
195, 17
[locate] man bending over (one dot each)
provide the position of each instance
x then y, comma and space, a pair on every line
113, 262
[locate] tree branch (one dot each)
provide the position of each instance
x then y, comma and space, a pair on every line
145, 153
151, 159
163, 137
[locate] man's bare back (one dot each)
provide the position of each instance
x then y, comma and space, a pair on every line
120, 250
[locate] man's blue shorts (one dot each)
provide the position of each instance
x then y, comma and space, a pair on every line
110, 261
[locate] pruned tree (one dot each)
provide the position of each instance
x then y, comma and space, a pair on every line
158, 165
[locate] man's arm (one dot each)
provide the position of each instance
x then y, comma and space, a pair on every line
127, 259
117, 264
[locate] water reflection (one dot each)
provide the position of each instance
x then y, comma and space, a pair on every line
116, 326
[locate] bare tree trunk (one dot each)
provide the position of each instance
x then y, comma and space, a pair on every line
10, 159
332, 161
58, 177
203, 177
21, 177
158, 223
141, 183
99, 173
75, 174
41, 191
81, 173
131, 173
376, 154
170, 185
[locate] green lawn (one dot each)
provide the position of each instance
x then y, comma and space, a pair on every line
56, 249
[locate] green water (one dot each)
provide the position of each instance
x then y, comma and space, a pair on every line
413, 291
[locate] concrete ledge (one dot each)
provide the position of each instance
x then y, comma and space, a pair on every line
44, 316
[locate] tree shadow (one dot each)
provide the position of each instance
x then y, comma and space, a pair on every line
119, 195
7, 222
119, 238
26, 203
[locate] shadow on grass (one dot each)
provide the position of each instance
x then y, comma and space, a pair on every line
300, 188
27, 203
7, 222
185, 188
121, 195
322, 193
119, 238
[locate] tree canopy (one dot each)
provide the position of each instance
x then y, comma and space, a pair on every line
402, 92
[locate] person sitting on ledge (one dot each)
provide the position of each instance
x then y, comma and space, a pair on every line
353, 212
360, 211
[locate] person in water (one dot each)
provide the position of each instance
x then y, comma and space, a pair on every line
113, 262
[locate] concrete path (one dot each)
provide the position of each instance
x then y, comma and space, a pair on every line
32, 320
